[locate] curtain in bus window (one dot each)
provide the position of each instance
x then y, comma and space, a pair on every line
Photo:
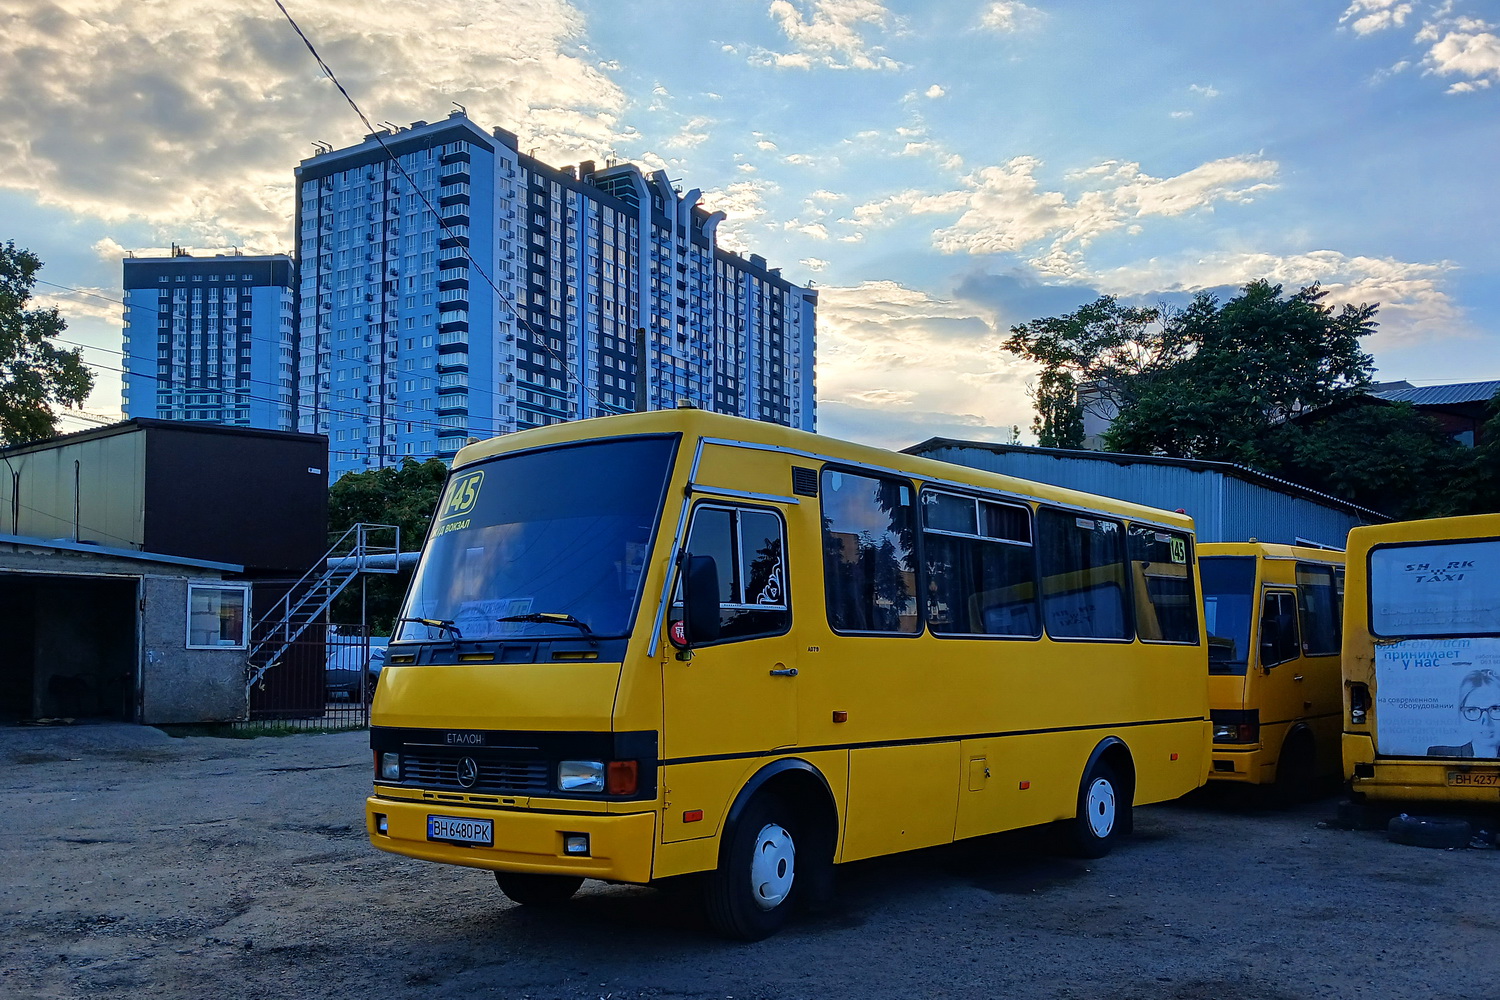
1083, 576
980, 567
869, 572
1161, 562
1318, 606
747, 549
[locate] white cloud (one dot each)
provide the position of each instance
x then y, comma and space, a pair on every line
1010, 15
1472, 53
934, 92
109, 250
816, 230
693, 132
1455, 43
829, 33
896, 365
814, 263
743, 204
1203, 90
191, 116
1415, 304
1370, 16
1004, 209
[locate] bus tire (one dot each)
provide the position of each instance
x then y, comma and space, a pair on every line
1297, 770
1103, 812
752, 892
537, 890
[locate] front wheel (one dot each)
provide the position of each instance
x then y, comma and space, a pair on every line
751, 894
1103, 812
537, 890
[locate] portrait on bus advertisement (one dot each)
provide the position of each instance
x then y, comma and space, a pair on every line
1438, 697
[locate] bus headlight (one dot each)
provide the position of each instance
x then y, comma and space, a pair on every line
1235, 732
580, 776
390, 766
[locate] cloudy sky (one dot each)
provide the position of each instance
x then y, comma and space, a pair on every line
940, 170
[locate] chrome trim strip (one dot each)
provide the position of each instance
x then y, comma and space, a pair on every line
741, 494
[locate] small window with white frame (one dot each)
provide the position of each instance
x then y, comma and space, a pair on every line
218, 616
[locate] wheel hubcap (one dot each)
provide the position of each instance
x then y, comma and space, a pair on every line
1101, 808
772, 866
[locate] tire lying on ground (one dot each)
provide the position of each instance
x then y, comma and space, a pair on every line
1429, 831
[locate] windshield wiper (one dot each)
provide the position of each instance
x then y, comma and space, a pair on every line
437, 623
550, 618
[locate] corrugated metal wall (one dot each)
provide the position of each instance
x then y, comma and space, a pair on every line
1224, 509
109, 486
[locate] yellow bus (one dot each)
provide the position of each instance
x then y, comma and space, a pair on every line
1422, 661
671, 643
1273, 615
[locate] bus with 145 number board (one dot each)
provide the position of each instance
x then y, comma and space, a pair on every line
678, 643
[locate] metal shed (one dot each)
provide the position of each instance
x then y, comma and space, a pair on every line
1227, 502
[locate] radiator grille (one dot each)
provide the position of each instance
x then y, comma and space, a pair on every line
494, 775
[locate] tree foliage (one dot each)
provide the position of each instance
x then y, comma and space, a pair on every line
405, 496
1268, 380
1392, 458
1103, 346
34, 374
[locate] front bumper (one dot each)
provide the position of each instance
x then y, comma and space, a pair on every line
621, 844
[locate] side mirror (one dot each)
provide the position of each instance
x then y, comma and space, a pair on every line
1270, 641
700, 603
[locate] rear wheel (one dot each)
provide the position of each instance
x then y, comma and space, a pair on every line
752, 892
1297, 770
1103, 812
537, 890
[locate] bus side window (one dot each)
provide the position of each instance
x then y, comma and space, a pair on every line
869, 568
1083, 576
1318, 606
748, 548
980, 567
1161, 562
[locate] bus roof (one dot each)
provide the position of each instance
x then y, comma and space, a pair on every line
1271, 550
703, 424
1425, 530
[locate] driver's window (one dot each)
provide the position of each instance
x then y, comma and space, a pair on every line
1278, 629
748, 548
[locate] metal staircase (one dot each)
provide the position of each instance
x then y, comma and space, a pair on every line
364, 548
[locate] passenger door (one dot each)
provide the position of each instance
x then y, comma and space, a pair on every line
738, 694
1279, 650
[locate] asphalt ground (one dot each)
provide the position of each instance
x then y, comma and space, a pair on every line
135, 864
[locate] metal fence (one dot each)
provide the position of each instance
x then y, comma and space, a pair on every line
323, 681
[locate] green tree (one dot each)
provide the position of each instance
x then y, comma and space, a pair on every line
405, 496
1392, 458
1268, 380
1100, 353
34, 375
1242, 369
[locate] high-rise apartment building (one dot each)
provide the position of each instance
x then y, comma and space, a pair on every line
210, 338
544, 294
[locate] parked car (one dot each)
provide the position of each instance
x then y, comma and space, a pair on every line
344, 667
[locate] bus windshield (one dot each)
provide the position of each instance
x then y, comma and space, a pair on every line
555, 541
1228, 603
